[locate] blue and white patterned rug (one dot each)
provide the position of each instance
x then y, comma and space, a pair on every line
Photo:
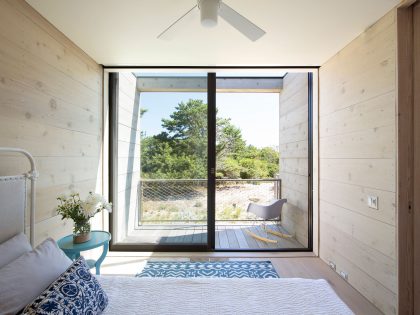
213, 269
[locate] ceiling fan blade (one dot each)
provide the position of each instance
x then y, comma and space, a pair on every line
241, 23
169, 31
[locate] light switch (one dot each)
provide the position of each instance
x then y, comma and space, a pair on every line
373, 202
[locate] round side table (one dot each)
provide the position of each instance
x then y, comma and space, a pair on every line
98, 238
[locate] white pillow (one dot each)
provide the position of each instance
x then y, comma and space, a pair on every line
13, 248
28, 276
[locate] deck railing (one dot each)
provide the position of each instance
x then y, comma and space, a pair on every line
184, 201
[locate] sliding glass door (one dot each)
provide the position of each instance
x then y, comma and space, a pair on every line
162, 160
206, 161
247, 161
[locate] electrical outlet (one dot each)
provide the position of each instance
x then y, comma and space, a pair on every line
331, 264
344, 275
373, 202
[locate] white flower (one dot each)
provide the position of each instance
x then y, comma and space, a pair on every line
108, 206
93, 204
89, 209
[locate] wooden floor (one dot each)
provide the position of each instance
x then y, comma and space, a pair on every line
227, 236
286, 267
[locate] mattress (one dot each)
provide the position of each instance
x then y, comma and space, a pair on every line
130, 295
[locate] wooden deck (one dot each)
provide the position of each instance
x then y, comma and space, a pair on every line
227, 236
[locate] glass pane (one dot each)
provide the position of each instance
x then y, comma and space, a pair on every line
260, 122
172, 159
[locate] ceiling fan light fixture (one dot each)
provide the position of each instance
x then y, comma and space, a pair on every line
209, 12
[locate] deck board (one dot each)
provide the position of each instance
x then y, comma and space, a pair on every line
243, 244
223, 238
217, 240
233, 241
256, 231
197, 236
252, 242
226, 236
204, 236
188, 237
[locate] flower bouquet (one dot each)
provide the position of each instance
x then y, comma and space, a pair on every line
80, 211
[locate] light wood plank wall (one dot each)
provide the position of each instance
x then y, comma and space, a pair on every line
293, 149
50, 105
357, 159
128, 153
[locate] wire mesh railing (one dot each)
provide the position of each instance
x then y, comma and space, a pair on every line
184, 201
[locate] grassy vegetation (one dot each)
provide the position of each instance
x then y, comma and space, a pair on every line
180, 152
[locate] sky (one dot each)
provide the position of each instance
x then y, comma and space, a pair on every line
256, 114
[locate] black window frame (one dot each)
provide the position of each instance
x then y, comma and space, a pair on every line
113, 81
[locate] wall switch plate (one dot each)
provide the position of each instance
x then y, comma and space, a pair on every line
344, 275
373, 202
331, 264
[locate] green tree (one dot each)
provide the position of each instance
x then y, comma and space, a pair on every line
180, 151
228, 139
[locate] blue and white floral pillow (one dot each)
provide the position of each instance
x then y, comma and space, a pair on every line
76, 291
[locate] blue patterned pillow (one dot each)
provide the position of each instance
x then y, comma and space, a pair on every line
76, 291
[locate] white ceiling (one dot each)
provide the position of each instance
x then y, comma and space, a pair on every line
299, 32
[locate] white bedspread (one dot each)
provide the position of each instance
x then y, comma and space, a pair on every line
130, 295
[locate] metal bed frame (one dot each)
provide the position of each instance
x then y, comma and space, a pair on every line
32, 175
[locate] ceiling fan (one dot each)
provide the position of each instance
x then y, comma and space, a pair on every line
209, 12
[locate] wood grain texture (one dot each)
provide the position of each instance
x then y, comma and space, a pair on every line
358, 140
50, 105
293, 125
128, 169
416, 117
405, 168
409, 157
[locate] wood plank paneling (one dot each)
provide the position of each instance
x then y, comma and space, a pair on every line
353, 197
416, 183
358, 159
42, 39
348, 76
371, 261
44, 140
371, 173
128, 155
376, 113
378, 235
383, 298
50, 105
408, 22
293, 148
370, 144
34, 73
294, 133
128, 180
61, 113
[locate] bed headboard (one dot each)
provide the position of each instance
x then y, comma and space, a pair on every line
13, 200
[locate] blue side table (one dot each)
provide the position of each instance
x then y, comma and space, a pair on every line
98, 238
